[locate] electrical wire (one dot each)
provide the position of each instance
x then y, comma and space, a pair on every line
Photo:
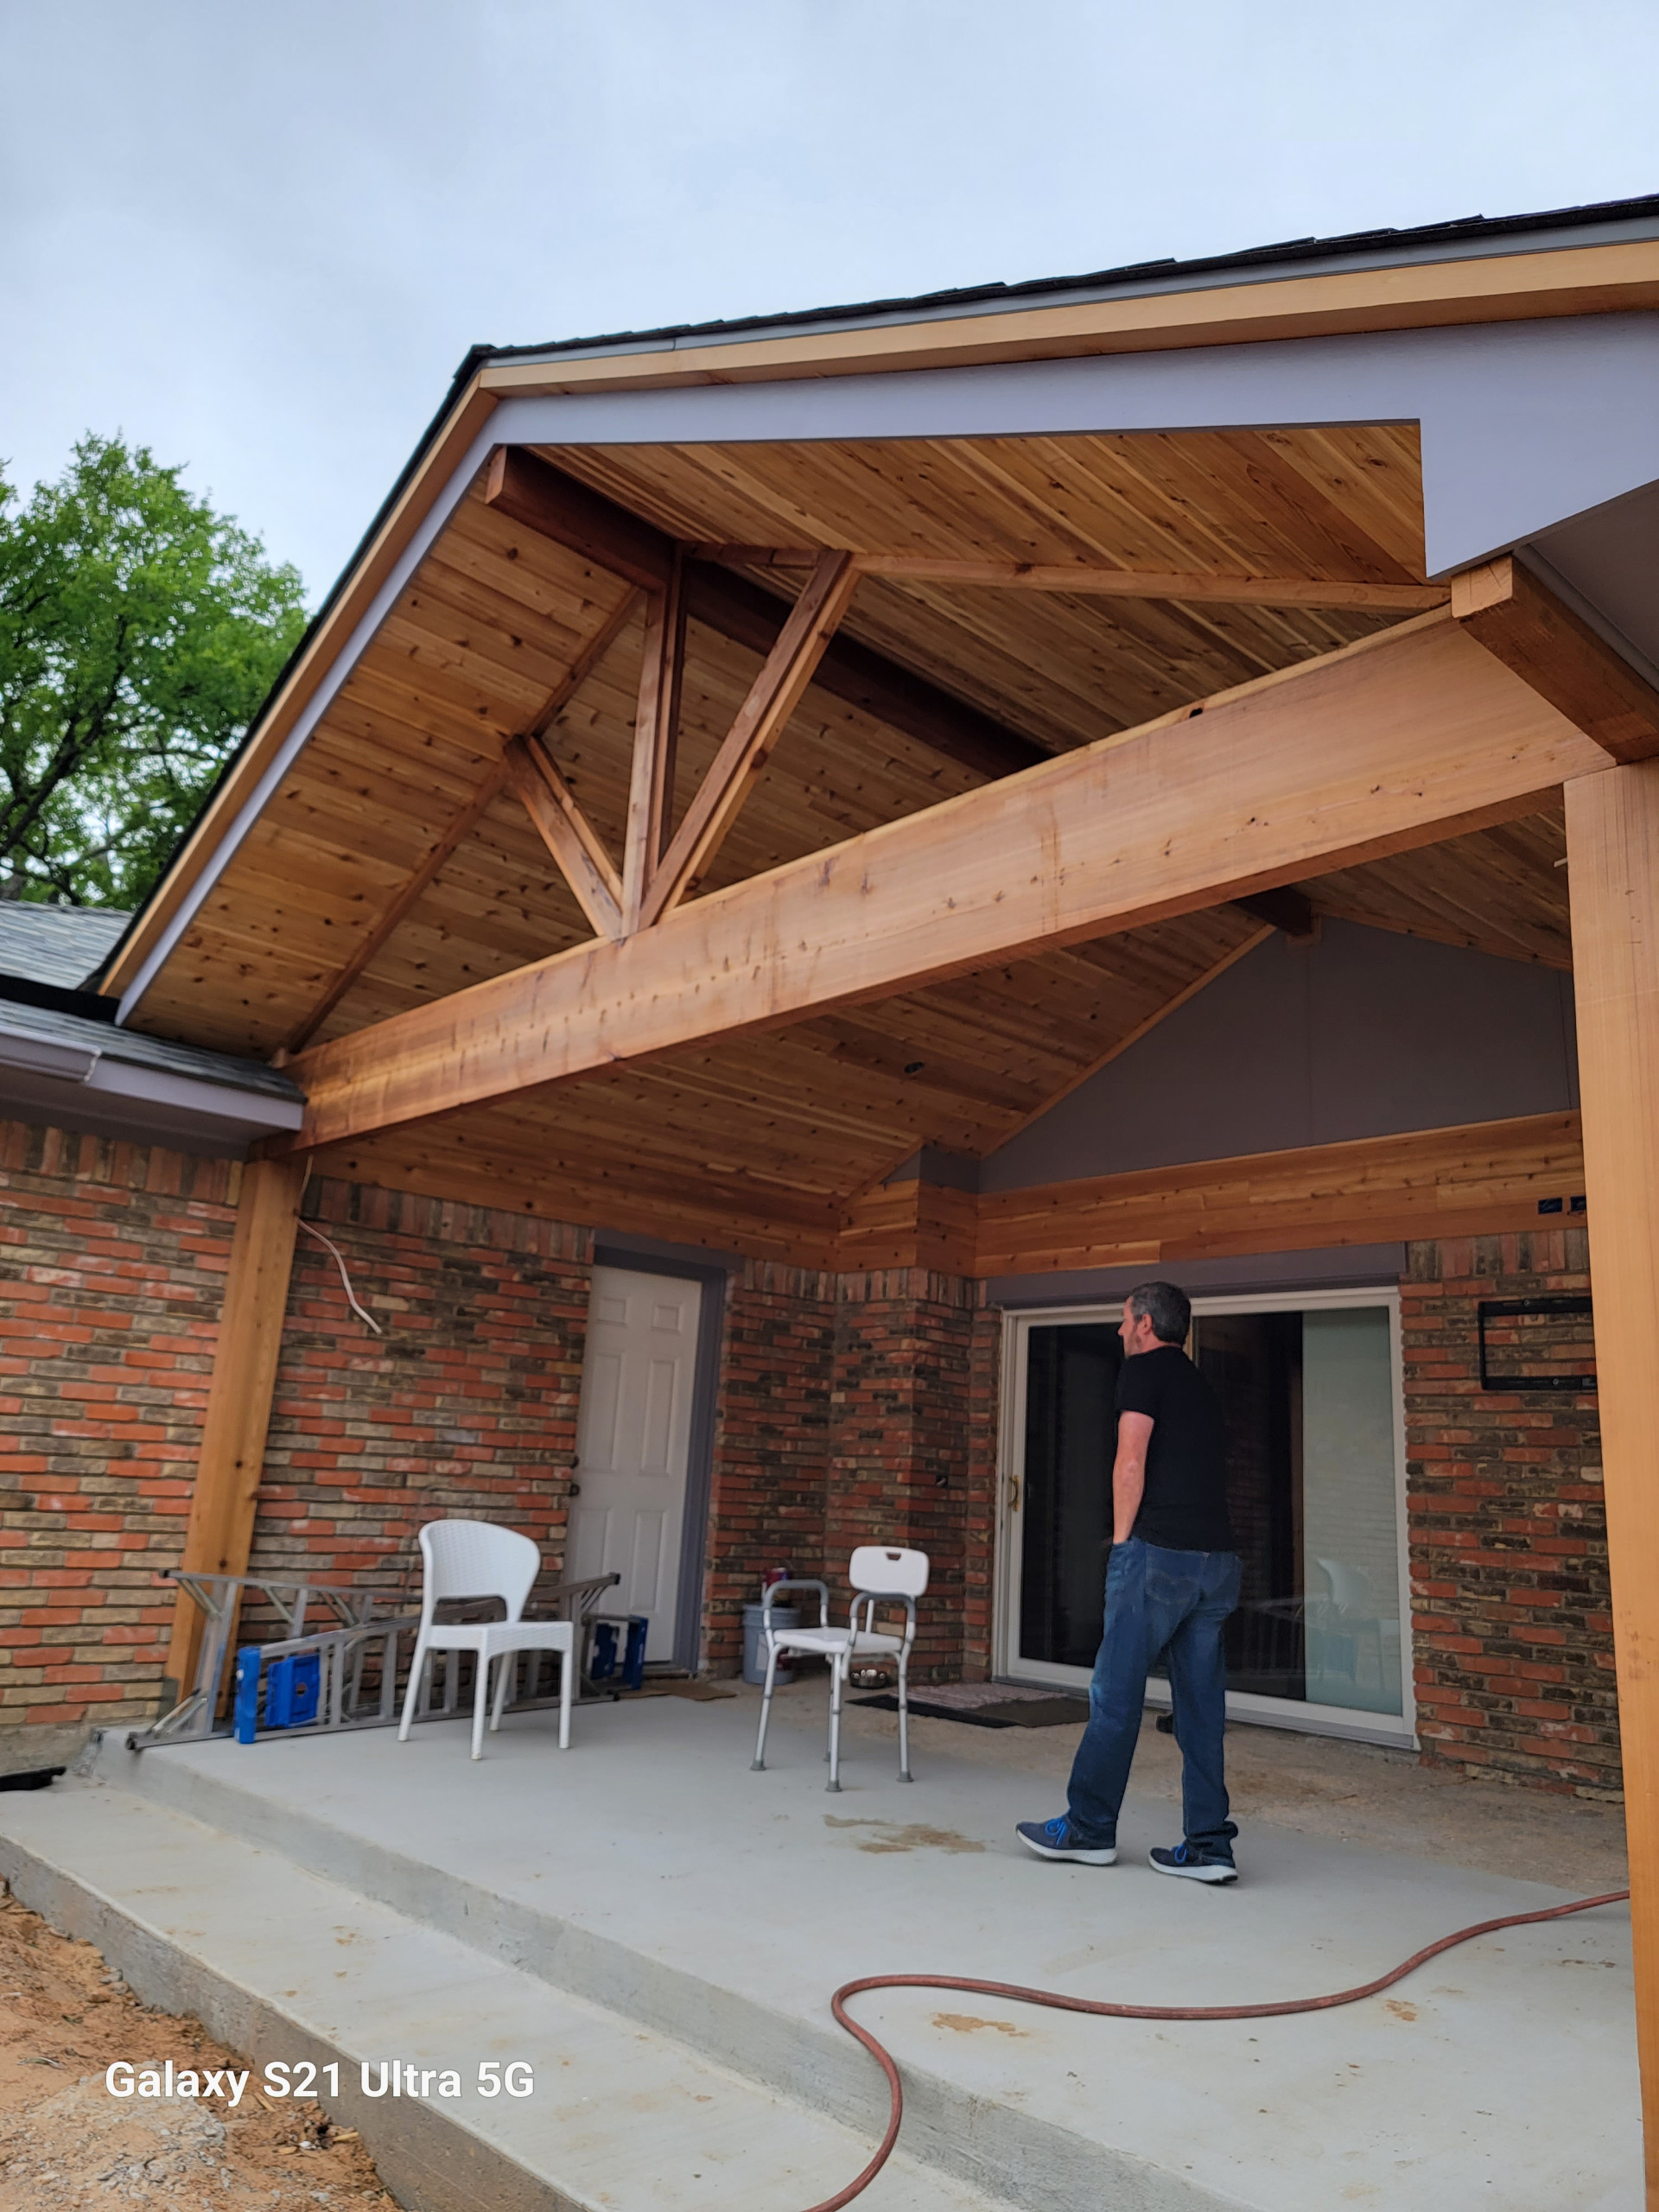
351, 1295
1058, 2001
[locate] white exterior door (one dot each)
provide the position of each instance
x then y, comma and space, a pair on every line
632, 1442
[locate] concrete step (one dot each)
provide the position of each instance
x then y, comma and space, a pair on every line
283, 1964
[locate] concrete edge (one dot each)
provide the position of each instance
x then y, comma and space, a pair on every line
986, 2143
431, 2161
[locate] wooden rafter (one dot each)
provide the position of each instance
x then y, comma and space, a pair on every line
567, 833
540, 498
656, 733
460, 828
773, 697
1091, 579
1527, 627
1186, 812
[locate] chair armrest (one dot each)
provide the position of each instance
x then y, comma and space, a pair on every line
870, 1599
772, 1590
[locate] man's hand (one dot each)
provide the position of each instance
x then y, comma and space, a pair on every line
1129, 1473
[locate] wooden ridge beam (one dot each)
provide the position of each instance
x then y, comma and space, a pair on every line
532, 492
1400, 740
1094, 579
569, 836
1457, 1182
1523, 623
773, 698
1284, 908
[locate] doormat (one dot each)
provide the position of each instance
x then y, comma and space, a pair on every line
989, 1705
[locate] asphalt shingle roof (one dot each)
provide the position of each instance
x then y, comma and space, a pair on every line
56, 944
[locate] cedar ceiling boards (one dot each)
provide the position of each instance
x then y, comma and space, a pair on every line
776, 1132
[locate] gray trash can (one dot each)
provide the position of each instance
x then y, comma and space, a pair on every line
755, 1642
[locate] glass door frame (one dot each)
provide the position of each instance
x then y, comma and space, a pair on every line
1245, 1705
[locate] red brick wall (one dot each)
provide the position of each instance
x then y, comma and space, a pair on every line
854, 1408
113, 1261
466, 1405
1512, 1628
766, 1505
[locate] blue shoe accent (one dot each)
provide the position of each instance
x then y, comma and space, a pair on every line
1196, 1865
1058, 1838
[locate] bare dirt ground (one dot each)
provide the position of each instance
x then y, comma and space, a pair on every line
66, 2142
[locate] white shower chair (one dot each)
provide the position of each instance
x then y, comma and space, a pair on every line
876, 1572
475, 1559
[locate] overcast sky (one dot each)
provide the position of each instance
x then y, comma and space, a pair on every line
259, 238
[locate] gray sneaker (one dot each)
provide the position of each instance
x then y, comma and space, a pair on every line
1194, 1864
1060, 1839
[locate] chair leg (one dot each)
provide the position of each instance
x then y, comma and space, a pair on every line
503, 1677
480, 1696
834, 1781
757, 1764
904, 1774
411, 1698
567, 1682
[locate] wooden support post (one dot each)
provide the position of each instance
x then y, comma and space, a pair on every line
220, 1530
656, 730
1612, 846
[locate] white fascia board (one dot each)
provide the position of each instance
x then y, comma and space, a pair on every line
254, 1110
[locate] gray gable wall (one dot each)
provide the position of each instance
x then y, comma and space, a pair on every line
1362, 1033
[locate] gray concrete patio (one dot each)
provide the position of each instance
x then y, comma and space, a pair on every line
646, 1886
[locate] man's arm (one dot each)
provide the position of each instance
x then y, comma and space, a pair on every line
1129, 1473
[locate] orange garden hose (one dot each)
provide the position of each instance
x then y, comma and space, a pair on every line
1057, 2002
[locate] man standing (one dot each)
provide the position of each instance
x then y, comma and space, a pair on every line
1171, 1581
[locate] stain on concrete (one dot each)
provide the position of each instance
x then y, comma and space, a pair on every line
965, 2024
1399, 2007
914, 1836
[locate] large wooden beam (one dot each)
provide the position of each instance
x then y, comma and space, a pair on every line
1519, 620
1612, 844
543, 499
1402, 740
220, 1532
1095, 580
1457, 1182
773, 698
569, 836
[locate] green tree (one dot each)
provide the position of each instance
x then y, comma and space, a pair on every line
139, 634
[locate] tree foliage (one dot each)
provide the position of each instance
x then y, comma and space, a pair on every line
139, 634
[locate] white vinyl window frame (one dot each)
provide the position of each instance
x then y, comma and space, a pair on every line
1242, 1705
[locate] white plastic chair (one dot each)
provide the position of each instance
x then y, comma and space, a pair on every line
473, 1560
875, 1572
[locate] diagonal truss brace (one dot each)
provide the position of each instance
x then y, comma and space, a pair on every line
773, 697
566, 831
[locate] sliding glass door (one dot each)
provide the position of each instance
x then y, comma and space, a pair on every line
1310, 1388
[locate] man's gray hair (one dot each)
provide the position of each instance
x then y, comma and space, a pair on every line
1167, 1307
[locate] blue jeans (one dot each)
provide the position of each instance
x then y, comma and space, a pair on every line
1174, 1602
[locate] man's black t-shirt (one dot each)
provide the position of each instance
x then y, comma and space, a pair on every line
1185, 1505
